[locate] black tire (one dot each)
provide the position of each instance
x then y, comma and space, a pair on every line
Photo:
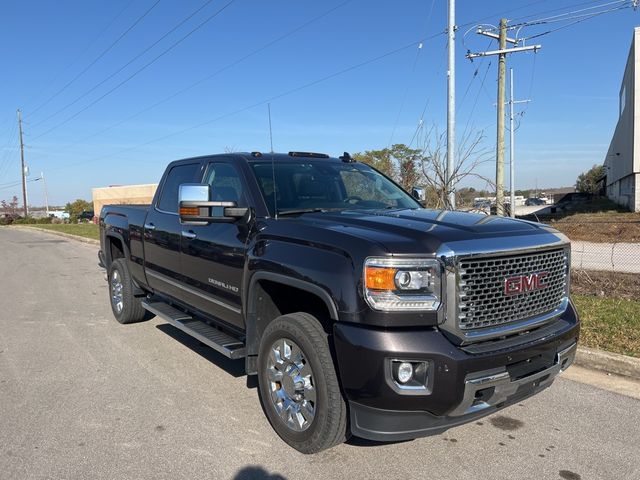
131, 309
329, 424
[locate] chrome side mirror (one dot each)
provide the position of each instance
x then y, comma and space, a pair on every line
195, 208
419, 193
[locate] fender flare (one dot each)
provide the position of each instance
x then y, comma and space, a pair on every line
117, 236
252, 333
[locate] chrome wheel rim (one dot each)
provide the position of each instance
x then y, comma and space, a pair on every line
116, 292
291, 385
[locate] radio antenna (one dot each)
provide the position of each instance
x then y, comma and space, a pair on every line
273, 167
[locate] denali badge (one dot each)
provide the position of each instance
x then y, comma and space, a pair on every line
224, 285
524, 283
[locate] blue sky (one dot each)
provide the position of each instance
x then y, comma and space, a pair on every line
573, 81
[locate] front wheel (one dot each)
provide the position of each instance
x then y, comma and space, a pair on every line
298, 384
124, 305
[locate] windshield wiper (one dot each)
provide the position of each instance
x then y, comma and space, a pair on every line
297, 211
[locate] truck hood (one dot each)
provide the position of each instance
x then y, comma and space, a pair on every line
427, 231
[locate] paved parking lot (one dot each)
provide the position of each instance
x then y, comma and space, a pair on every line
84, 397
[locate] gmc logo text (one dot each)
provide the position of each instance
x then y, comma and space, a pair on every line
524, 283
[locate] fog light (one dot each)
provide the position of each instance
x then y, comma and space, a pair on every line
405, 372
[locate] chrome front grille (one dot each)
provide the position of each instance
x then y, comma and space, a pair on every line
482, 301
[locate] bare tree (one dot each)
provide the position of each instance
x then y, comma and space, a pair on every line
469, 157
10, 208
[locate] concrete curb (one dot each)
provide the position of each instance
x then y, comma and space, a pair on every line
608, 362
90, 241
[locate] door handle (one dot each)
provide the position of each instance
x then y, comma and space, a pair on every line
188, 234
149, 226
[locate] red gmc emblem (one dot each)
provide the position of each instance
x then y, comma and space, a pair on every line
524, 283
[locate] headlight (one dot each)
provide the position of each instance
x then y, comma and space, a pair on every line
400, 284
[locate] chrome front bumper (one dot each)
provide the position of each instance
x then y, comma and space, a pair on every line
485, 391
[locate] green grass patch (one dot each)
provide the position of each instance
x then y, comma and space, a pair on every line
87, 230
611, 324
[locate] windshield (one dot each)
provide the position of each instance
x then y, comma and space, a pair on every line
325, 185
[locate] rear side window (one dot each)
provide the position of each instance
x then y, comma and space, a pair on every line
177, 175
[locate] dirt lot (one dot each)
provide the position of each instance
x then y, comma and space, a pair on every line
606, 284
600, 227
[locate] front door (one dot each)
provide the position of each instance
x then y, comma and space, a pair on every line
162, 233
213, 255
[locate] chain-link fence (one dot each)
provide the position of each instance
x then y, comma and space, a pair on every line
621, 257
609, 243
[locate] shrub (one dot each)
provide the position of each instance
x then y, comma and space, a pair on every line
32, 221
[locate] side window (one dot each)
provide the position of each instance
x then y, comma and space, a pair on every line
361, 186
226, 184
177, 175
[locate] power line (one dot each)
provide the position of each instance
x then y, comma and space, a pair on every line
141, 69
17, 184
8, 149
413, 69
499, 14
571, 12
475, 102
89, 45
212, 75
420, 124
576, 22
144, 67
405, 94
109, 77
565, 18
473, 77
104, 52
265, 101
289, 92
177, 93
11, 184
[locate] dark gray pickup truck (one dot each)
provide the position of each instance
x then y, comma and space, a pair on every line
359, 311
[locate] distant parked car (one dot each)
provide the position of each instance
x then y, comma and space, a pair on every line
86, 215
482, 204
533, 202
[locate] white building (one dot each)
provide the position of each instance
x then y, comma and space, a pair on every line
622, 163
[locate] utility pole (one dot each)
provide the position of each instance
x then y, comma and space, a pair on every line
512, 136
500, 136
24, 179
451, 106
46, 195
502, 55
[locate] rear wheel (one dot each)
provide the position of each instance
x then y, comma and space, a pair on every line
124, 305
298, 384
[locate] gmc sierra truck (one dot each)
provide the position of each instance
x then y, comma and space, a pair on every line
361, 312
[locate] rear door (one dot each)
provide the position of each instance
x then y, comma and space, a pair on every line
162, 232
213, 255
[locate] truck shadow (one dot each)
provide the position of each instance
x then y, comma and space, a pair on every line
363, 442
257, 473
235, 368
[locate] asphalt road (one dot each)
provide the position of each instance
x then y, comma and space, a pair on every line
84, 397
